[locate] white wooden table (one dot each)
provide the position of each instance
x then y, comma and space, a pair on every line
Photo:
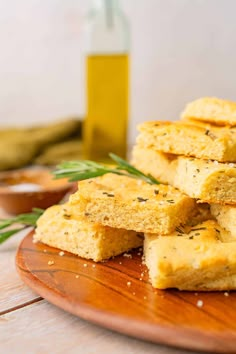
31, 325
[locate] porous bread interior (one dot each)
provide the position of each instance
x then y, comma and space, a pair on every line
225, 216
120, 201
62, 227
208, 181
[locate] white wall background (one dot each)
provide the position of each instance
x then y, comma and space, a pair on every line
181, 49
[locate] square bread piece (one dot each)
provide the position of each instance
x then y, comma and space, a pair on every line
206, 180
212, 110
61, 227
131, 204
190, 139
201, 257
225, 216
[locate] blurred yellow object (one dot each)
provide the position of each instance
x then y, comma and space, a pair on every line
107, 106
54, 154
19, 146
56, 132
15, 154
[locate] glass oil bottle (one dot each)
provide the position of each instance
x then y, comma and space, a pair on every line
107, 81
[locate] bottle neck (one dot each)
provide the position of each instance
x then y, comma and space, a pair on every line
107, 30
108, 9
110, 4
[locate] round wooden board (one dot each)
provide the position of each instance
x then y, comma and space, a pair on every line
112, 295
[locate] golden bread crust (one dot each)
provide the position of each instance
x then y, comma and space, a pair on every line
61, 226
202, 257
208, 181
190, 139
211, 109
123, 202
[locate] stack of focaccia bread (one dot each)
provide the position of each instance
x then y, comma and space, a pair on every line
187, 222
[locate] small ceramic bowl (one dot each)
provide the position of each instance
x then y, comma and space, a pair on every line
22, 190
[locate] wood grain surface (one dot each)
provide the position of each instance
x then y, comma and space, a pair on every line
13, 293
112, 295
53, 331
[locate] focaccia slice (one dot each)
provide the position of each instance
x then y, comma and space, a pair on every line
190, 139
62, 227
205, 180
159, 164
225, 216
211, 109
124, 202
201, 257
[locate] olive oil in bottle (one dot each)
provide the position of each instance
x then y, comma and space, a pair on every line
107, 82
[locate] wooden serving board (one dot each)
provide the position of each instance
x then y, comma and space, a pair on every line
117, 295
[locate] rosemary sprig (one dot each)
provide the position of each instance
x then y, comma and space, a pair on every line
28, 219
85, 169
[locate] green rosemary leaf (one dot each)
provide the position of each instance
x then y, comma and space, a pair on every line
27, 219
4, 223
7, 234
85, 169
